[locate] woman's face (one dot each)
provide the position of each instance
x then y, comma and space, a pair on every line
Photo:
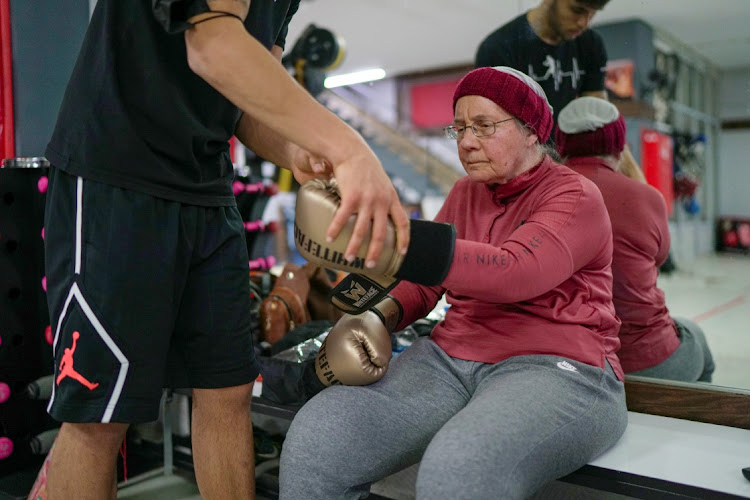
496, 158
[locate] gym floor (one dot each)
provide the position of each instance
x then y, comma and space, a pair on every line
712, 290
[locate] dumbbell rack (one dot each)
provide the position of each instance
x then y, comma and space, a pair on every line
25, 334
252, 197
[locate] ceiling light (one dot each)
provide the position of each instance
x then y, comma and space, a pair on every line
367, 75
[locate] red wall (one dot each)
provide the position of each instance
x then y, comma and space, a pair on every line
432, 103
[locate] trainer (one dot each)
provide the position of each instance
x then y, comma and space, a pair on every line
591, 136
146, 258
520, 384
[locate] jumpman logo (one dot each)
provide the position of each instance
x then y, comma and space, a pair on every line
66, 366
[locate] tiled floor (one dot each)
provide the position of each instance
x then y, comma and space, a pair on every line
714, 291
160, 487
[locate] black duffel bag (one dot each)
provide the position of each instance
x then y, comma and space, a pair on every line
289, 371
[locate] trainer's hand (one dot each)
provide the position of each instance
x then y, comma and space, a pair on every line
307, 166
427, 261
366, 191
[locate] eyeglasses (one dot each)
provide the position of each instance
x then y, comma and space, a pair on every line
481, 129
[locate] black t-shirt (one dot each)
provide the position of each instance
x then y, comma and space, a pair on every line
564, 71
136, 116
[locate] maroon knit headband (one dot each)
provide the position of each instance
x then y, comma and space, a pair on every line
513, 91
589, 126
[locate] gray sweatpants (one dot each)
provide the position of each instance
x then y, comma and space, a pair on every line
480, 430
691, 362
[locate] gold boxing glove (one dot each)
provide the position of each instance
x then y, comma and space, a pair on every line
427, 261
357, 350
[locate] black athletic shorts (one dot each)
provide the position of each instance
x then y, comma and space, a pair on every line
132, 282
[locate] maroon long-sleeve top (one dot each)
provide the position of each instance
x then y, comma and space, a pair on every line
531, 271
641, 244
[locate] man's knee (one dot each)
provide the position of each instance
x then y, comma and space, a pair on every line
107, 436
225, 400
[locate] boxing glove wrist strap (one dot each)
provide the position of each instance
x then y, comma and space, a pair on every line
357, 293
430, 255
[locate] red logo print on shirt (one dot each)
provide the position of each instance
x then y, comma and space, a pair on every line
66, 366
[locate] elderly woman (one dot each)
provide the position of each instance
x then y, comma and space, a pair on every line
520, 384
591, 137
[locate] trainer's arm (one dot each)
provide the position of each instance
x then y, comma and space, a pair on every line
264, 142
274, 147
224, 54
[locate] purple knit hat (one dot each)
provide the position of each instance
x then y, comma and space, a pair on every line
590, 126
512, 90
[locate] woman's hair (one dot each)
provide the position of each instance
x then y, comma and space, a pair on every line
628, 167
594, 4
547, 148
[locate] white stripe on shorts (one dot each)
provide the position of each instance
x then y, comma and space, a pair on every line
75, 293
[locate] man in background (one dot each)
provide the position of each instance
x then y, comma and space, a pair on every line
552, 43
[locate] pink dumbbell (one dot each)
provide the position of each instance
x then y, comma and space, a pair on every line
255, 187
263, 262
4, 392
255, 225
6, 447
42, 184
259, 187
259, 225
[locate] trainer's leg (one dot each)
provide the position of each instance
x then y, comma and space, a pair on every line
345, 438
222, 436
84, 461
213, 336
529, 421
